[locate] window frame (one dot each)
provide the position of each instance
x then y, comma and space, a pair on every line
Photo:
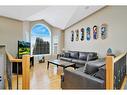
49, 42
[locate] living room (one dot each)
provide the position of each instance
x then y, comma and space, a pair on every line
72, 33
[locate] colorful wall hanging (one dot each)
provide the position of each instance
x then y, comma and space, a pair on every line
95, 32
77, 35
72, 36
82, 34
88, 34
103, 31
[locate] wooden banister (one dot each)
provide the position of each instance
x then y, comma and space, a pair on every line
110, 62
119, 57
109, 72
25, 69
26, 72
12, 59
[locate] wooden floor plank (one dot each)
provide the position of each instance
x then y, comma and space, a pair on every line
41, 78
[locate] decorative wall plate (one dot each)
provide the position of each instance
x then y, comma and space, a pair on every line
77, 35
95, 32
88, 34
103, 31
82, 34
72, 36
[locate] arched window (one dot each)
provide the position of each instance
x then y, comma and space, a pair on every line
40, 39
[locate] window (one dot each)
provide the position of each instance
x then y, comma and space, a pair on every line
40, 39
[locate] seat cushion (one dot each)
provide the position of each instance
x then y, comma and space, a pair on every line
66, 59
83, 55
77, 61
74, 54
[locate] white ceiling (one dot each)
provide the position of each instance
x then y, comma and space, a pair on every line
58, 16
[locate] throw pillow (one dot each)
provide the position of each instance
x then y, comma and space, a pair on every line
101, 73
93, 66
66, 54
90, 69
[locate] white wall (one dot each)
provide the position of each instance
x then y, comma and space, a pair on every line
58, 38
116, 19
10, 33
26, 31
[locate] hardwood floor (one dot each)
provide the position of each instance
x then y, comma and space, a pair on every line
41, 78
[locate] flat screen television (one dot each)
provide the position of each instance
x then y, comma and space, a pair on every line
23, 48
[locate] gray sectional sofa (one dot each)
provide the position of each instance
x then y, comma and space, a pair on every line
91, 76
90, 72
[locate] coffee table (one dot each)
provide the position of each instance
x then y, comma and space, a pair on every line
60, 63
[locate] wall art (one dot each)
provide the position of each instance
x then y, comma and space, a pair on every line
95, 32
88, 34
77, 35
82, 34
72, 36
103, 31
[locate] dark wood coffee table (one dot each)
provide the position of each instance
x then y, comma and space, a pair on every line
60, 63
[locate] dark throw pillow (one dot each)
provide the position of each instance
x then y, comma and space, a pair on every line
74, 54
101, 73
92, 56
66, 54
90, 69
83, 56
93, 66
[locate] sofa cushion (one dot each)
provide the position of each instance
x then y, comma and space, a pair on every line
66, 54
83, 55
74, 54
79, 63
93, 66
92, 56
66, 59
101, 73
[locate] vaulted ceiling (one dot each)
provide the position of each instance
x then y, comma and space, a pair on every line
58, 16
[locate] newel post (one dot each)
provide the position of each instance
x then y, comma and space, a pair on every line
26, 72
109, 72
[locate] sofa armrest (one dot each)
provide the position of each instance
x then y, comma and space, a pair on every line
79, 80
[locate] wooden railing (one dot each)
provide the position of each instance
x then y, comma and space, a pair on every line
25, 69
115, 67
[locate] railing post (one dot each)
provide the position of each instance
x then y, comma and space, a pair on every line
109, 72
26, 72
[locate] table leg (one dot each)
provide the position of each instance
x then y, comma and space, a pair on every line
57, 66
17, 75
64, 68
74, 66
48, 65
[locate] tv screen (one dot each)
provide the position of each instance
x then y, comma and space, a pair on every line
23, 48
